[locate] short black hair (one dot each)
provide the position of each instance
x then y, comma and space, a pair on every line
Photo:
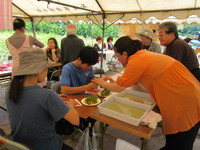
88, 55
18, 24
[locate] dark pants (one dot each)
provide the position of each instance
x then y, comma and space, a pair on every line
181, 140
196, 73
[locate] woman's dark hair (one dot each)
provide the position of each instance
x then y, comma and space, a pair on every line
16, 88
88, 55
55, 41
18, 24
126, 44
98, 38
110, 38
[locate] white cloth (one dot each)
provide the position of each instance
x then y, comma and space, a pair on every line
151, 119
124, 145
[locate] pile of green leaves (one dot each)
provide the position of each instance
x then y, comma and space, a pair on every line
105, 92
91, 99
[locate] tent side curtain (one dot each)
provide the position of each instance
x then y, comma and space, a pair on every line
6, 15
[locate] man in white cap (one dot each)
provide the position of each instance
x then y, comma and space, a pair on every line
146, 37
70, 45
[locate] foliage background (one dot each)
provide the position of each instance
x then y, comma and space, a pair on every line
86, 31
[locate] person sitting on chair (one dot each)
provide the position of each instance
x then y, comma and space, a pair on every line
109, 45
97, 45
53, 51
33, 110
76, 76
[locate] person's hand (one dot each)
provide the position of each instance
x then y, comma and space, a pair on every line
53, 50
91, 86
63, 97
108, 78
98, 81
46, 49
70, 102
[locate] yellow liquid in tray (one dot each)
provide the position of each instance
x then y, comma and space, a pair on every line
126, 109
137, 99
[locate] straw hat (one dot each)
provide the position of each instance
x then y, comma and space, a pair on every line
32, 61
146, 32
71, 29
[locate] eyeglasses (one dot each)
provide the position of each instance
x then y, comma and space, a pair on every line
161, 35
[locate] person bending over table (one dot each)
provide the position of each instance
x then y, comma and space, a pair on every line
172, 86
76, 76
34, 110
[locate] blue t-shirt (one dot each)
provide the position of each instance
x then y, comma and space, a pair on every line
73, 76
33, 118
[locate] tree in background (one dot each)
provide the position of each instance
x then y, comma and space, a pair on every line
190, 30
87, 31
84, 29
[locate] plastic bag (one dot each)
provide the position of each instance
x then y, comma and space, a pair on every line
88, 141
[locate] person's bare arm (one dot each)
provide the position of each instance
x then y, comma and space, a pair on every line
110, 86
55, 58
80, 89
72, 115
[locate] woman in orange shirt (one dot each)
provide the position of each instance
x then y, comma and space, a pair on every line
174, 89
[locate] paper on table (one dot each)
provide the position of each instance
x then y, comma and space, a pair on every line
95, 91
77, 103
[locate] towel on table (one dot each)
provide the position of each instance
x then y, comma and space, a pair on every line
151, 119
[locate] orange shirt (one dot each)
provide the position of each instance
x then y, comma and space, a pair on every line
175, 90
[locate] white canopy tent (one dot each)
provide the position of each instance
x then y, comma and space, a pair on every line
104, 11
99, 10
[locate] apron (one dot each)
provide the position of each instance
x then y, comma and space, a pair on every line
15, 52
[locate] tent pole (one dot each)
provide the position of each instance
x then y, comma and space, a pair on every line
103, 30
33, 27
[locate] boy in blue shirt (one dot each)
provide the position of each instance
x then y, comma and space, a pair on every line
76, 76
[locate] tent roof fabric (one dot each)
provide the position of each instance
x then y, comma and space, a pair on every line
86, 10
